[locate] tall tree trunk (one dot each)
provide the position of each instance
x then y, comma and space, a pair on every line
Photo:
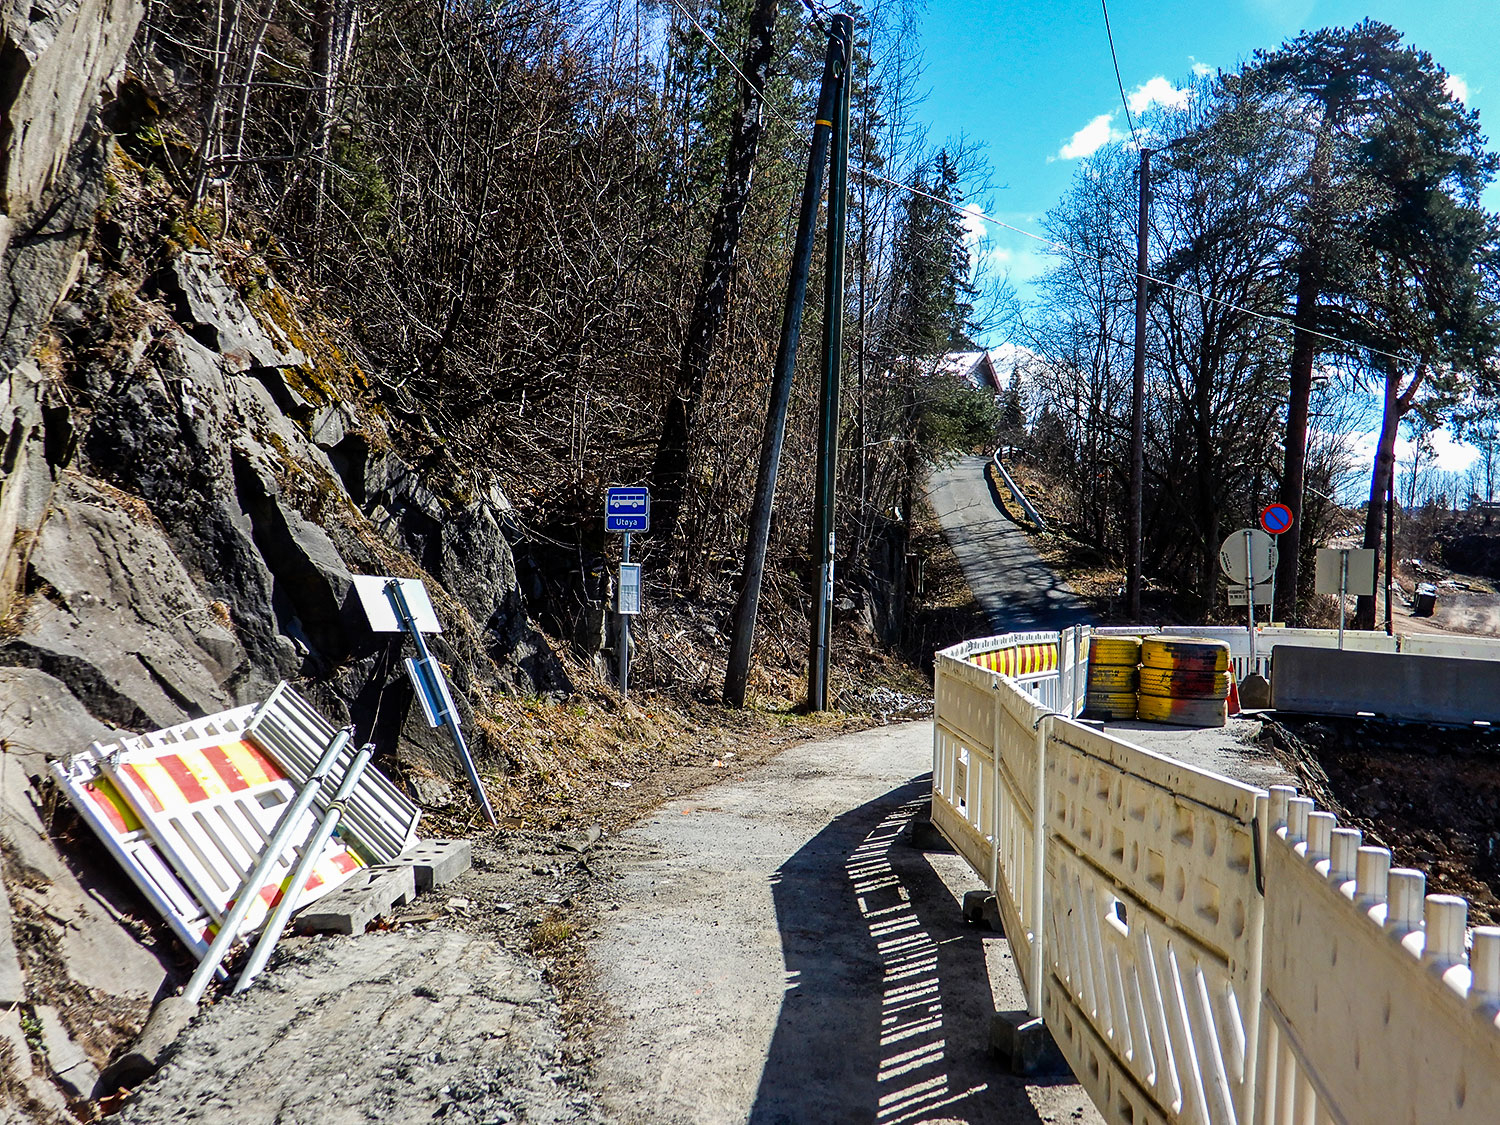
711, 307
1304, 356
1385, 454
334, 24
1396, 403
1294, 474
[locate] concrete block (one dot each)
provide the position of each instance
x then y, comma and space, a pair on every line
12, 982
924, 836
1255, 693
990, 915
372, 892
1430, 689
974, 905
167, 1021
1024, 1043
437, 862
75, 1073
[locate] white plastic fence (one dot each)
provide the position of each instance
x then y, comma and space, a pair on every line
1201, 950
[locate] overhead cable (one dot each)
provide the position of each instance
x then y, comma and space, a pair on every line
1104, 5
1057, 247
764, 100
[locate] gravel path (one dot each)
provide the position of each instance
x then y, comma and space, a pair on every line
1010, 583
774, 952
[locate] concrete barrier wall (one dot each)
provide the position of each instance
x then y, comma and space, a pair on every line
1434, 689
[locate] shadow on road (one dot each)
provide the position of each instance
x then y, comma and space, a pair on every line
886, 1013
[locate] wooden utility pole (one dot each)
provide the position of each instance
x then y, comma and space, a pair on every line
828, 413
1138, 398
742, 642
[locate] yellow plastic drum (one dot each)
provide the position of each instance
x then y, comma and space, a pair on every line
1179, 653
1113, 677
1182, 683
1184, 712
1116, 651
1110, 705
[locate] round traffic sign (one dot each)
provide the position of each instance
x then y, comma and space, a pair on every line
1246, 553
1276, 518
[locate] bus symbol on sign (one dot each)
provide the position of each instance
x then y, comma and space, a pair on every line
627, 510
1276, 518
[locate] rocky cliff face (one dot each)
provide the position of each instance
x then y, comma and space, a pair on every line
193, 471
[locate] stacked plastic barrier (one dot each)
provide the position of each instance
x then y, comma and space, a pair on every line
1113, 677
1202, 951
1184, 682
188, 810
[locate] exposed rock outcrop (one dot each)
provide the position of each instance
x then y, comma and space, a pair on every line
192, 474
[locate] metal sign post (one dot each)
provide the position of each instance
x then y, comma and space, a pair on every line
1343, 571
1248, 560
627, 510
1250, 593
625, 616
1343, 590
401, 605
432, 690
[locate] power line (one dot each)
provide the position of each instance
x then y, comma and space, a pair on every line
1052, 244
1104, 5
1063, 248
760, 91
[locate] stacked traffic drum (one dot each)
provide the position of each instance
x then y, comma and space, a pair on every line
1184, 682
1113, 677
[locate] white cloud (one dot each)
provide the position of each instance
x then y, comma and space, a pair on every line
1202, 70
1090, 139
1159, 91
1456, 87
1452, 455
975, 228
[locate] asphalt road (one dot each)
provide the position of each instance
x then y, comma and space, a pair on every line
777, 953
1010, 583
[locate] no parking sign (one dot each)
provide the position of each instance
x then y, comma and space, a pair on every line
1276, 518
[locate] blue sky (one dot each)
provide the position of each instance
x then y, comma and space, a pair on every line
1030, 80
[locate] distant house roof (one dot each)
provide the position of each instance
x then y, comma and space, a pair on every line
976, 368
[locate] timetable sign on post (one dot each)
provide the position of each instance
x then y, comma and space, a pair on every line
627, 509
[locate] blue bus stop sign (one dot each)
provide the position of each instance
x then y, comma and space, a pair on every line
627, 509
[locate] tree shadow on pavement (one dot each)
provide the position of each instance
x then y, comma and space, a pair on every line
886, 1013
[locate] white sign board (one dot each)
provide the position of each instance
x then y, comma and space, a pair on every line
1239, 596
1262, 556
1361, 576
630, 588
382, 614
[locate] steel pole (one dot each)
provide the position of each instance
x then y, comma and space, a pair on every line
624, 654
397, 597
1250, 593
1343, 587
828, 413
291, 892
742, 643
275, 846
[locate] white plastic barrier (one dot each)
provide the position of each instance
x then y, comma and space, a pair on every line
1178, 989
